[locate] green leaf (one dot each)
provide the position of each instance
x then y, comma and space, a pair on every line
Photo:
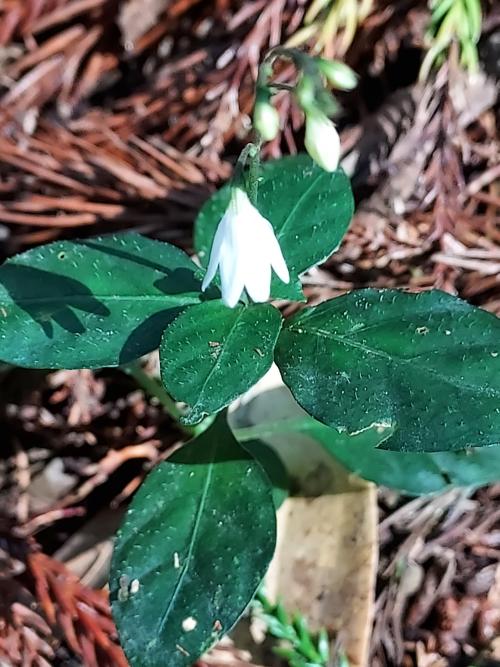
92, 303
274, 467
427, 365
184, 567
413, 473
309, 208
211, 354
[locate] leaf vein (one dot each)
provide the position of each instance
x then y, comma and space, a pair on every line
70, 298
489, 391
187, 562
217, 362
298, 202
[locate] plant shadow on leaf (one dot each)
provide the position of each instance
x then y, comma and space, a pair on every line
95, 244
205, 456
177, 281
29, 288
147, 335
51, 299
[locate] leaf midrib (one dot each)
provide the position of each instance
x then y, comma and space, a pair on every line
71, 298
194, 534
217, 361
297, 204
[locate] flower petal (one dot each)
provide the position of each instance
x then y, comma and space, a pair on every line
254, 253
245, 250
215, 253
276, 258
232, 282
231, 263
258, 279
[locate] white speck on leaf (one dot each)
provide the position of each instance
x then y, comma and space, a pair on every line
189, 624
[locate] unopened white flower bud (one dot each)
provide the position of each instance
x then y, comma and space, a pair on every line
266, 120
322, 140
305, 93
338, 74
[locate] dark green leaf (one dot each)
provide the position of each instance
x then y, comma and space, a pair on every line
211, 354
92, 303
274, 467
427, 365
414, 473
309, 208
195, 544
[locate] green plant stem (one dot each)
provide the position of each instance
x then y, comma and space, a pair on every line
268, 429
153, 387
253, 174
249, 155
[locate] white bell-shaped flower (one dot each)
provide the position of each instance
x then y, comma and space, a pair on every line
245, 250
322, 140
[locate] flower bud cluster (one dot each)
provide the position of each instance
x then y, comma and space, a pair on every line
321, 139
